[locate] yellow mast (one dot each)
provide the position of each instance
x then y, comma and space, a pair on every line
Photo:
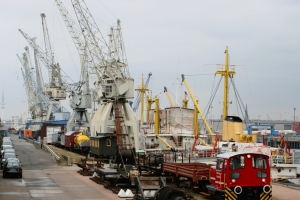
185, 101
156, 125
226, 73
196, 119
149, 103
142, 90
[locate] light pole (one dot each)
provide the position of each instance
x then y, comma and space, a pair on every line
294, 118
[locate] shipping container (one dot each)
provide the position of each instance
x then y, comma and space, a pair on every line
27, 133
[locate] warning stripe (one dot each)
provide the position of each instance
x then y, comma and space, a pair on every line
266, 196
229, 194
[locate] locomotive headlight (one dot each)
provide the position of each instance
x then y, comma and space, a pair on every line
248, 156
233, 180
266, 189
238, 189
263, 180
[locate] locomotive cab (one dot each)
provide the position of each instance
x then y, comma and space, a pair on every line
241, 176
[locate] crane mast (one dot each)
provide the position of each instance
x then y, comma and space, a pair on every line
141, 98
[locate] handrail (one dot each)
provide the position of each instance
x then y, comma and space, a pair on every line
45, 147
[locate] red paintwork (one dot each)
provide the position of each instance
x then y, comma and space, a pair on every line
248, 174
69, 140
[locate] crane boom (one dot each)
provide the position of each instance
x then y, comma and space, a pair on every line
113, 75
169, 97
74, 30
92, 35
56, 89
48, 50
197, 106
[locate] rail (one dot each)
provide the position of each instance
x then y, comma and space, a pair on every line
45, 147
188, 156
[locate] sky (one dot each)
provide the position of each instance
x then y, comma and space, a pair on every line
169, 38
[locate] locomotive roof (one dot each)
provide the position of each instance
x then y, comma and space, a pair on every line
70, 133
102, 135
231, 154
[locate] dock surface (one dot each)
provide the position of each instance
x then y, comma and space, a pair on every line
44, 179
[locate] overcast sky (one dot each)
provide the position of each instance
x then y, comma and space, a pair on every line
170, 38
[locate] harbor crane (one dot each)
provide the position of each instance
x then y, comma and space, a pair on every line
38, 103
50, 103
34, 106
114, 85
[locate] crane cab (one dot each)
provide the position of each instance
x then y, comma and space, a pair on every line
241, 176
56, 93
111, 88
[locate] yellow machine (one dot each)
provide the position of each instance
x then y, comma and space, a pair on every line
81, 138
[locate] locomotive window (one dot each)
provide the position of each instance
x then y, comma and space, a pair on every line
219, 164
108, 142
262, 174
259, 162
235, 175
237, 162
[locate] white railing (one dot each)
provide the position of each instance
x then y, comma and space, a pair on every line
45, 147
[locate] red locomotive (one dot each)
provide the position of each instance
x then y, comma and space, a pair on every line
235, 176
241, 176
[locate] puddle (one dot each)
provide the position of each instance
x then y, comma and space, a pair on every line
15, 193
40, 182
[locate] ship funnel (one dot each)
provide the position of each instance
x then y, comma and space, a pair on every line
232, 128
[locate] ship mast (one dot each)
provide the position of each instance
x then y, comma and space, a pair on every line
226, 72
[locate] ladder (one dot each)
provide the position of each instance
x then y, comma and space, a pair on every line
126, 155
